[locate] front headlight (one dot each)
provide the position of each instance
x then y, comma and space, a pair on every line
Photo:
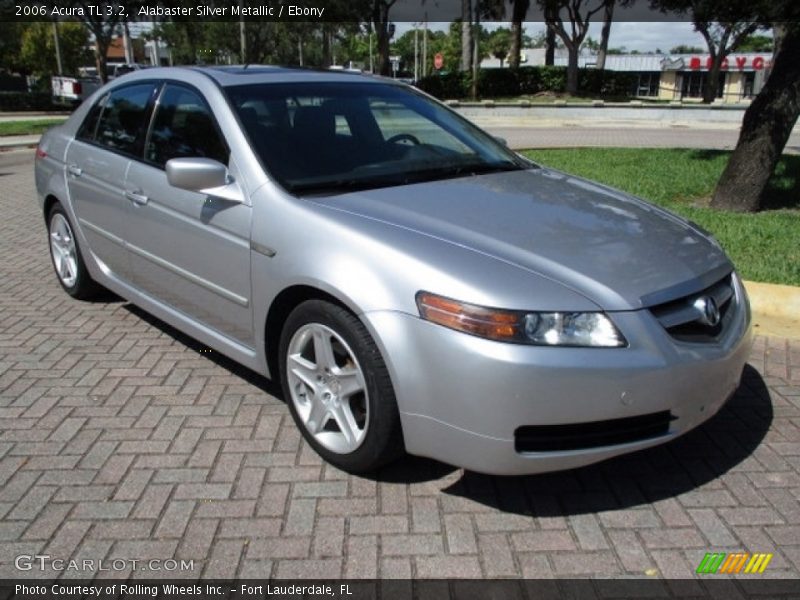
589, 329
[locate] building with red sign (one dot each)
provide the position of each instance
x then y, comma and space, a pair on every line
670, 76
684, 76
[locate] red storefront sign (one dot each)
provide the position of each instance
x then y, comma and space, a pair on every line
757, 63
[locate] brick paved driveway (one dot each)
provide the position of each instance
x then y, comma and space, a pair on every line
121, 439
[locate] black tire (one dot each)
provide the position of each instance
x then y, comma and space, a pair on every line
382, 440
83, 287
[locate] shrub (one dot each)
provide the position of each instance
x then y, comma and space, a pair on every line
445, 86
14, 101
493, 83
530, 80
553, 79
498, 82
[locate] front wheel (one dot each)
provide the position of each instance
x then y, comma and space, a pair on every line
338, 388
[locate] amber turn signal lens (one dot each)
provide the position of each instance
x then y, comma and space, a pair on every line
484, 322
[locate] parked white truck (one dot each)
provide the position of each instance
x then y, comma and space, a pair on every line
73, 90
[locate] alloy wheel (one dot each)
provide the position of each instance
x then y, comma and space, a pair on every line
63, 250
327, 387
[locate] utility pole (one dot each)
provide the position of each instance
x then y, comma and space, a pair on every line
476, 55
416, 53
126, 43
425, 47
242, 36
58, 48
371, 63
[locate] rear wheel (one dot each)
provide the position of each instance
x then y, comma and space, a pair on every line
338, 388
66, 256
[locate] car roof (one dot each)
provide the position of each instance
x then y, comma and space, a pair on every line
231, 75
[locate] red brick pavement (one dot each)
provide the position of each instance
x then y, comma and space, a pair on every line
120, 440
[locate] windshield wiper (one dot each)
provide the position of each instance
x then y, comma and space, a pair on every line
344, 185
459, 170
351, 184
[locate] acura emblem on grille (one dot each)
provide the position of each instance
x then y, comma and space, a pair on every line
708, 309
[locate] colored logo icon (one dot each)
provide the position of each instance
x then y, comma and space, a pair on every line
716, 563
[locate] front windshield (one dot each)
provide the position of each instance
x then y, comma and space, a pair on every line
334, 137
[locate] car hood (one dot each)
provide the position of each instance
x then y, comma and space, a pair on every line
619, 251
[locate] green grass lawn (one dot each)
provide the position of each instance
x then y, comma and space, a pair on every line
31, 126
764, 246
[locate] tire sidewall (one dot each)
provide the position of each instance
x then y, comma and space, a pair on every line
355, 334
82, 279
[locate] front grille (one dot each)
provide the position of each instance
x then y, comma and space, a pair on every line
684, 322
580, 436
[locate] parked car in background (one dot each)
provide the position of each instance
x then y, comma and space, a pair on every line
413, 284
119, 69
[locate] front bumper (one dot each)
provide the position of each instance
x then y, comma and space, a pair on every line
461, 398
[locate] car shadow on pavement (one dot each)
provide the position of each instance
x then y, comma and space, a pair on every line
266, 385
682, 466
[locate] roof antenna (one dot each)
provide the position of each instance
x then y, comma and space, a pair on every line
245, 67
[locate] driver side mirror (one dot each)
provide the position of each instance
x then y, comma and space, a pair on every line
203, 175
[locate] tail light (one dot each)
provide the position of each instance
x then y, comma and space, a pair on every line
77, 88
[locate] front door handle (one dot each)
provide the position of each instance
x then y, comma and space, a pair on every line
136, 198
75, 170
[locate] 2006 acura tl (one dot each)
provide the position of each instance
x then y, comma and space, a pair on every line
413, 283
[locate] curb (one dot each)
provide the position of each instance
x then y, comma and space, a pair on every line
775, 308
19, 141
774, 300
18, 146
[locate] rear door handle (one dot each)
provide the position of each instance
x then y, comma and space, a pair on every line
75, 170
136, 198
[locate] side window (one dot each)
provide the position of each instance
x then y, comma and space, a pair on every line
184, 127
123, 120
89, 125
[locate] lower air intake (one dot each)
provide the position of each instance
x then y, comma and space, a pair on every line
580, 436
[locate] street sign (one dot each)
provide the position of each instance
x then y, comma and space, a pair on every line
438, 60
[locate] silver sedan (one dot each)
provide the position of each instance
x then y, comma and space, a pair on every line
415, 285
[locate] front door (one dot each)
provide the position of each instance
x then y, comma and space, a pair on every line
97, 164
189, 249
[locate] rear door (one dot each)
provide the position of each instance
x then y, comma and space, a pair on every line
97, 164
189, 249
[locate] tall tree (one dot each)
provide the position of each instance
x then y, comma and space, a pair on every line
723, 25
500, 43
38, 48
466, 35
578, 13
518, 13
550, 45
605, 33
184, 39
766, 127
104, 27
383, 32
11, 46
757, 43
